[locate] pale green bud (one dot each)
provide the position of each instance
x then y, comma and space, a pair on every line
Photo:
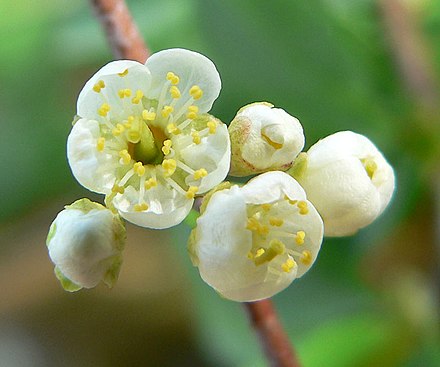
85, 243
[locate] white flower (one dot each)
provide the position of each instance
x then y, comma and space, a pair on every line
252, 242
144, 138
85, 242
263, 139
348, 180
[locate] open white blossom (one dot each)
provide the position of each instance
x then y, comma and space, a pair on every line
252, 242
347, 179
264, 138
85, 243
144, 139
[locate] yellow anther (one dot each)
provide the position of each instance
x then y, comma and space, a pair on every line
139, 168
291, 202
306, 257
175, 92
260, 252
370, 166
140, 207
118, 130
173, 78
148, 115
166, 149
192, 190
137, 98
276, 247
277, 222
98, 86
124, 73
125, 156
129, 122
151, 182
299, 238
200, 173
266, 207
100, 144
196, 92
173, 129
104, 109
192, 112
303, 208
166, 111
252, 224
263, 230
118, 189
212, 125
169, 165
196, 137
124, 93
288, 265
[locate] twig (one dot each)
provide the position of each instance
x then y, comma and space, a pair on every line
122, 33
126, 42
273, 339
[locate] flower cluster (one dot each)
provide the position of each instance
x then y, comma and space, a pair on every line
143, 138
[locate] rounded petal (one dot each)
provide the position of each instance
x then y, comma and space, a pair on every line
166, 207
192, 69
116, 76
93, 169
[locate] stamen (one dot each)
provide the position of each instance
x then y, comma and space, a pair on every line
124, 73
278, 222
306, 257
140, 207
124, 93
276, 247
169, 165
98, 86
175, 92
125, 157
148, 115
288, 265
196, 137
118, 130
129, 122
100, 144
266, 207
173, 78
196, 92
212, 126
151, 182
166, 111
118, 189
303, 208
192, 190
192, 112
370, 166
137, 98
200, 173
173, 129
166, 149
299, 239
104, 109
291, 202
139, 168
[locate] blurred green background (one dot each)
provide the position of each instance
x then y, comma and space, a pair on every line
370, 300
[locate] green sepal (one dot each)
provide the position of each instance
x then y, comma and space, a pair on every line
66, 283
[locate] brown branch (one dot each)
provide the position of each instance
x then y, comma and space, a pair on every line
272, 337
122, 33
127, 43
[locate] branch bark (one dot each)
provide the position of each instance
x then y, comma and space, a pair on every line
272, 337
122, 33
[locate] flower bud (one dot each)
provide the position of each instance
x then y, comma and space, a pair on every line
347, 179
85, 242
263, 138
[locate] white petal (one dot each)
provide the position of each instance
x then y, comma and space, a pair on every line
91, 168
138, 77
192, 68
167, 207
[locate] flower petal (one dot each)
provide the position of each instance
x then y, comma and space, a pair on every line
192, 69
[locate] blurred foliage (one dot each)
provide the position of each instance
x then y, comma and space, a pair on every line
371, 299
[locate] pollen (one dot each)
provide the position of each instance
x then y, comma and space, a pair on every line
124, 73
277, 222
124, 93
138, 96
175, 92
306, 257
169, 165
303, 208
173, 129
98, 86
173, 78
148, 115
151, 182
104, 109
125, 156
129, 122
266, 207
140, 207
118, 130
288, 265
192, 112
100, 144
212, 126
196, 137
192, 190
118, 189
139, 168
291, 202
166, 149
299, 238
200, 173
166, 111
196, 92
